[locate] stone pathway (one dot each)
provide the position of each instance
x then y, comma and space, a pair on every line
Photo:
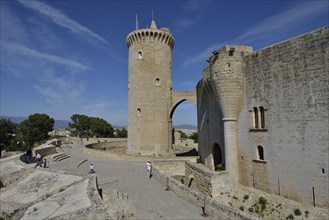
147, 197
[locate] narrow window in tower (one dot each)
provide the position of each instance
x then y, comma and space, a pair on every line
256, 117
157, 82
262, 117
260, 153
139, 112
139, 55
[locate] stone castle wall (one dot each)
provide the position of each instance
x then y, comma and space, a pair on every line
210, 131
290, 80
287, 83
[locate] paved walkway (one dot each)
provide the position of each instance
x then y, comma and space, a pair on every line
147, 197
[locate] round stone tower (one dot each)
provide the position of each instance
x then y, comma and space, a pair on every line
149, 90
227, 82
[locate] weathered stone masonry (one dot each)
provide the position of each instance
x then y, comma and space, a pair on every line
151, 101
277, 101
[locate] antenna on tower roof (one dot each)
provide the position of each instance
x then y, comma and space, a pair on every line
136, 22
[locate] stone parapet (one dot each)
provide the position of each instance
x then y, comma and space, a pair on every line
210, 205
157, 35
204, 180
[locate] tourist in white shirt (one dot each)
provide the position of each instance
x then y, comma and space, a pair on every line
149, 169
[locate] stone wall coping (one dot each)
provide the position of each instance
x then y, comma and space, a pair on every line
202, 169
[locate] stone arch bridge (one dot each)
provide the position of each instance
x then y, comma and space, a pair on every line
179, 97
176, 99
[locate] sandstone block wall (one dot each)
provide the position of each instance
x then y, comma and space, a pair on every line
290, 80
171, 167
210, 126
202, 179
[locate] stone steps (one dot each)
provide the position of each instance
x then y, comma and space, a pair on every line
61, 156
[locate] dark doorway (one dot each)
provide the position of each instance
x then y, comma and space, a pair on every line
217, 155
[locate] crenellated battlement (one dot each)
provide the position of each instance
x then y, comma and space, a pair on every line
161, 35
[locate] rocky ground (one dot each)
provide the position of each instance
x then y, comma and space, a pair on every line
66, 190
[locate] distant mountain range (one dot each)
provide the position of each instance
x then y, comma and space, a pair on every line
186, 126
62, 124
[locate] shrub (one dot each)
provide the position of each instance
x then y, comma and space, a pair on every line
262, 201
297, 212
241, 208
306, 213
220, 167
1, 184
291, 216
246, 197
251, 209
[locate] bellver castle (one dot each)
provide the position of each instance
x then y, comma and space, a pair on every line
263, 114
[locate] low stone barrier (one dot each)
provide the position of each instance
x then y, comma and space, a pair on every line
209, 205
171, 167
206, 181
109, 155
98, 140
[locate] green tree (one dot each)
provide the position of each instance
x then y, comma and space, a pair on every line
194, 136
35, 129
80, 125
85, 126
122, 133
182, 134
7, 133
100, 128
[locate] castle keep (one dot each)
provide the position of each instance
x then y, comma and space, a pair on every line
151, 102
264, 115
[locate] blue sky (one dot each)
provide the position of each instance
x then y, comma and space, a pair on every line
66, 57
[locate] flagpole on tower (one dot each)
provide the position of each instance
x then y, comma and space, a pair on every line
136, 22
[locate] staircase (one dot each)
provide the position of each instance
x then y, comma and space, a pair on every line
60, 156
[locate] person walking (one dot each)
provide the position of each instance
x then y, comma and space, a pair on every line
91, 169
38, 159
149, 169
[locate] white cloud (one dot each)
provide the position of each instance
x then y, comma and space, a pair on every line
193, 11
204, 55
271, 29
283, 22
186, 22
11, 26
61, 19
60, 91
28, 52
193, 6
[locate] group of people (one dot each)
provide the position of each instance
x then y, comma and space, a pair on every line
38, 158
